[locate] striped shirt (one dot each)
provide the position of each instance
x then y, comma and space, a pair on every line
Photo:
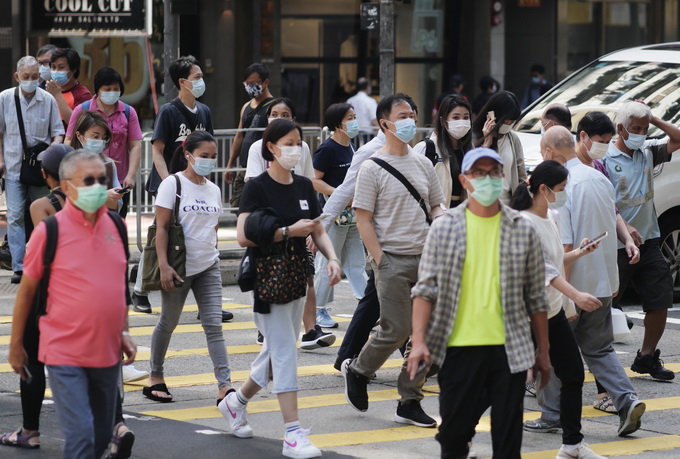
41, 120
522, 278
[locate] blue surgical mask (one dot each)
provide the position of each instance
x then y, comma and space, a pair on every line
352, 128
90, 198
560, 199
109, 97
45, 72
634, 141
28, 86
198, 88
406, 129
60, 77
487, 189
94, 145
536, 80
203, 166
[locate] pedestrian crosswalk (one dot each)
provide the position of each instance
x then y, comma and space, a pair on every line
365, 433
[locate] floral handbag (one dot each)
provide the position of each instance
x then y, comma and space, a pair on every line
281, 277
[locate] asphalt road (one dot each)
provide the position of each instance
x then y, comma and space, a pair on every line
191, 426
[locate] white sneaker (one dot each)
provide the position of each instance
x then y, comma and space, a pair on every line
130, 373
297, 445
235, 413
582, 452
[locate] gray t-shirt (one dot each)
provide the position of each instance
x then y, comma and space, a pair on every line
398, 219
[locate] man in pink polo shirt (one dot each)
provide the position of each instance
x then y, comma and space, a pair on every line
85, 327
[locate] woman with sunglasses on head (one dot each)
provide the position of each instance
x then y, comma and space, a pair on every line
295, 206
448, 143
535, 198
492, 128
92, 133
200, 206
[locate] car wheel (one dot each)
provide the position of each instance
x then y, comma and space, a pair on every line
669, 225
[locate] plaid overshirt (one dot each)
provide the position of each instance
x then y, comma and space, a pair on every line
522, 277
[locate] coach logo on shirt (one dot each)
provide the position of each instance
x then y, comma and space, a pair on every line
304, 205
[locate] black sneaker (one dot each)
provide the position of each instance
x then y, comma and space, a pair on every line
630, 416
316, 338
653, 365
16, 277
411, 412
226, 316
260, 338
141, 303
338, 363
355, 387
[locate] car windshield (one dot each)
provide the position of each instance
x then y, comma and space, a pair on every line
604, 86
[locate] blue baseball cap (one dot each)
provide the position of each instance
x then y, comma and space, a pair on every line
472, 156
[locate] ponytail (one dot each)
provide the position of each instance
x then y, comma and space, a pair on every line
522, 198
549, 173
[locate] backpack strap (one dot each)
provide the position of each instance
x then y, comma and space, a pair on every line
431, 151
122, 231
54, 201
398, 175
52, 233
86, 105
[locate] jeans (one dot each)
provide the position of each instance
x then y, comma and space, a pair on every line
568, 367
594, 335
19, 197
395, 276
85, 400
348, 246
207, 289
471, 379
278, 356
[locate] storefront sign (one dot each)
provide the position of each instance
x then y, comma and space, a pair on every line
94, 17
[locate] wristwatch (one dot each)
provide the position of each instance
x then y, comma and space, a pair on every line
284, 232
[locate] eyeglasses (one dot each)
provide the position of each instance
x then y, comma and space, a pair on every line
45, 62
480, 173
89, 180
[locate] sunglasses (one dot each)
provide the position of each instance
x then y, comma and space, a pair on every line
89, 180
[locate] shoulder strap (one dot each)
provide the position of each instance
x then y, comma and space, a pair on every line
52, 233
54, 200
127, 111
398, 175
191, 119
178, 196
20, 119
122, 231
431, 151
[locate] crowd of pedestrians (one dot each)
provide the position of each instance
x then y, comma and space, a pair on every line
474, 264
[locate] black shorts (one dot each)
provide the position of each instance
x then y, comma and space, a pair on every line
651, 277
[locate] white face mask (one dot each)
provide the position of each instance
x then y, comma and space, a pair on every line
597, 149
505, 129
458, 128
290, 156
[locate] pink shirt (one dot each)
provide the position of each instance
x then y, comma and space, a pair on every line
123, 131
86, 307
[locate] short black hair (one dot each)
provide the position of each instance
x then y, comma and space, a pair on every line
455, 81
334, 115
181, 68
559, 114
363, 83
282, 100
486, 82
48, 48
107, 76
596, 123
258, 68
72, 58
538, 68
385, 106
179, 161
275, 130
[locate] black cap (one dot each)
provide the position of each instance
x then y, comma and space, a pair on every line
52, 156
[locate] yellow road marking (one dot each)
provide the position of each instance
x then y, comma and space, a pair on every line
618, 448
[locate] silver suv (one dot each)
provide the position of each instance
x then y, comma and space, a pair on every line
650, 73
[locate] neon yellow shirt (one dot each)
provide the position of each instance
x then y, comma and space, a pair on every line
479, 316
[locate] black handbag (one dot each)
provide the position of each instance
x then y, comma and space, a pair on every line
31, 173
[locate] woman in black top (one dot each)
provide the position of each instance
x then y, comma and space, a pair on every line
293, 198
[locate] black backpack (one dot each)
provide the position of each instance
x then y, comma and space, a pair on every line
52, 230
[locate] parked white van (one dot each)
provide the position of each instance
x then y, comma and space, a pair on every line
650, 73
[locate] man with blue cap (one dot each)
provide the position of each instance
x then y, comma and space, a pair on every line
479, 296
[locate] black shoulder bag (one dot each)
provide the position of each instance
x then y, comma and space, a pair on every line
398, 175
30, 166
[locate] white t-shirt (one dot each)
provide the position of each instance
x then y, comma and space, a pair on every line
554, 252
257, 164
364, 108
199, 211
